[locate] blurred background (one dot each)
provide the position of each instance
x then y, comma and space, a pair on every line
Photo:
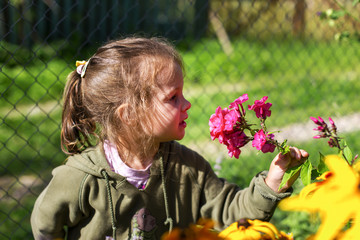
300, 53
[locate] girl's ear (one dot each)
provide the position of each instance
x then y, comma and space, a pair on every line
123, 113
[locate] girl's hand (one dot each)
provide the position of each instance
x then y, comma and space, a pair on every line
280, 164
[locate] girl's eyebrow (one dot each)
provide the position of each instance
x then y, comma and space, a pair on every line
171, 92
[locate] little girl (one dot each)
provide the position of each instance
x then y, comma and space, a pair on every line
126, 177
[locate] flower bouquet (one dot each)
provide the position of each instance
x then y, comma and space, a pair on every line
231, 128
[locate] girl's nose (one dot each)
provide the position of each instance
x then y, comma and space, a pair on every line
186, 105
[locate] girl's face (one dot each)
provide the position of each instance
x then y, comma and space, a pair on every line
170, 109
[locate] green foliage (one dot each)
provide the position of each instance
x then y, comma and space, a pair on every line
301, 224
12, 55
24, 84
30, 144
321, 167
291, 172
305, 173
333, 16
284, 148
347, 153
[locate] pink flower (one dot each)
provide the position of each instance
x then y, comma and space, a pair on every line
333, 126
326, 132
319, 128
317, 121
231, 117
268, 147
261, 108
222, 124
228, 125
233, 151
237, 139
217, 123
323, 128
235, 104
234, 141
261, 142
332, 143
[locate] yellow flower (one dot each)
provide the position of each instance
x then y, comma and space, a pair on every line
250, 230
282, 236
311, 188
356, 167
201, 231
285, 236
336, 199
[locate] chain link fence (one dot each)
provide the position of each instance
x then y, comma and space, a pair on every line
230, 47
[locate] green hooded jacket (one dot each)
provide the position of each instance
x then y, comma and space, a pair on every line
86, 200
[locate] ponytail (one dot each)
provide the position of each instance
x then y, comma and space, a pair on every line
77, 124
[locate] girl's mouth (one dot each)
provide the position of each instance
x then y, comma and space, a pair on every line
182, 124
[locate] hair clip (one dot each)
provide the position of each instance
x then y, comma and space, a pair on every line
81, 67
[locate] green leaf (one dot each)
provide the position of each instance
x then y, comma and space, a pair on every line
347, 153
305, 173
335, 14
284, 149
355, 2
322, 15
315, 174
342, 36
289, 174
322, 167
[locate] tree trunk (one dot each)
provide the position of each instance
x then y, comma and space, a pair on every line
299, 18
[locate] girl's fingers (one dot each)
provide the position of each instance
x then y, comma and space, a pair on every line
294, 158
304, 153
295, 153
298, 154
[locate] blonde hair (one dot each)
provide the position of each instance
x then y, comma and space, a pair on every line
114, 99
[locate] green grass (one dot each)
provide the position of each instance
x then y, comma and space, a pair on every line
301, 80
15, 218
41, 82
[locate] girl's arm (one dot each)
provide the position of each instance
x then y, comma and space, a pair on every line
56, 206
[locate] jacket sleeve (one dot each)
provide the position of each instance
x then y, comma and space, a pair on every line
57, 206
226, 203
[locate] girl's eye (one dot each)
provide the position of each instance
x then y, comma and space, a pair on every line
173, 98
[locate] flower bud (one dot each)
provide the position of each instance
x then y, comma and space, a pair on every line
333, 126
315, 120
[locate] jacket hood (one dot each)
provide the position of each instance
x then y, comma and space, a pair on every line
92, 161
